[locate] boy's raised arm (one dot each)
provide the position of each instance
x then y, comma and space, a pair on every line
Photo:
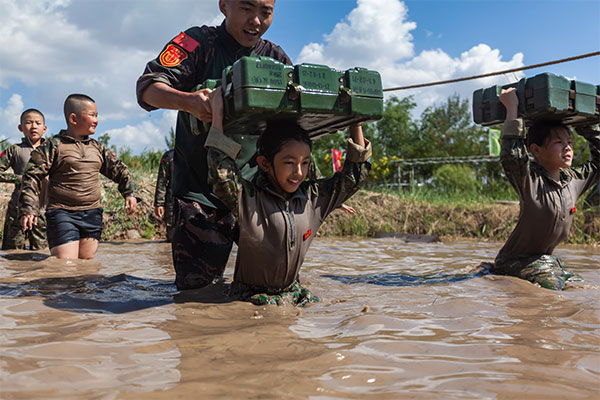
223, 174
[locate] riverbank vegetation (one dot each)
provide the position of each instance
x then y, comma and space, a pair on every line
462, 199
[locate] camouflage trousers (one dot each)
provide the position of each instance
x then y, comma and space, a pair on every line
14, 237
294, 294
168, 219
202, 240
547, 271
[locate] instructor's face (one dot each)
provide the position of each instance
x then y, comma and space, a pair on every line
247, 20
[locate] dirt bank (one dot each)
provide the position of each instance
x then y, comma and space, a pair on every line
375, 212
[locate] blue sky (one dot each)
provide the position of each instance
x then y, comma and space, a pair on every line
51, 48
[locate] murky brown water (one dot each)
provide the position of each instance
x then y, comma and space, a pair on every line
115, 328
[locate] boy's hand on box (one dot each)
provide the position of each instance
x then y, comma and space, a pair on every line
130, 204
509, 98
216, 105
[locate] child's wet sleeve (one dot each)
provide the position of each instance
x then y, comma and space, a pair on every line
334, 191
116, 170
513, 153
36, 171
590, 171
5, 163
223, 174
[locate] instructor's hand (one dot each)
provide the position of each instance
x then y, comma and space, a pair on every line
200, 105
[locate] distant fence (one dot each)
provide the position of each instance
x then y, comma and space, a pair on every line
412, 162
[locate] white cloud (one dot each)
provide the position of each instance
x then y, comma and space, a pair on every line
96, 47
147, 135
9, 119
373, 26
376, 35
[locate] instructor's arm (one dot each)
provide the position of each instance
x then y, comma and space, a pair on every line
161, 95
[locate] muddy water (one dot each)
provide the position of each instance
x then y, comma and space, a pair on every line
397, 320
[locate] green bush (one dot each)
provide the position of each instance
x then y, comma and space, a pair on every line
452, 178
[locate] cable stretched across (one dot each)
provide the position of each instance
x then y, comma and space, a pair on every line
563, 60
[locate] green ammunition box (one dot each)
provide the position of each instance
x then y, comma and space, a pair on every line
320, 87
322, 99
542, 97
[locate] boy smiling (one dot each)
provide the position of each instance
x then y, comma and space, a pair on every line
72, 162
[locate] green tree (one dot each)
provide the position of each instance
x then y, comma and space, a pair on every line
448, 130
394, 132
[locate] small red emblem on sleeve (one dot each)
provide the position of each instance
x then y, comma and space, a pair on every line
172, 56
186, 42
573, 210
307, 234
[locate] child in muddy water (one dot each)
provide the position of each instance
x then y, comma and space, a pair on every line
548, 188
72, 161
278, 212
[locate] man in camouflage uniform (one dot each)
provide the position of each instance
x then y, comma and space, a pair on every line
163, 196
72, 161
16, 157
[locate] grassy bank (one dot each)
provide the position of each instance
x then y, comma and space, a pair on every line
487, 220
414, 213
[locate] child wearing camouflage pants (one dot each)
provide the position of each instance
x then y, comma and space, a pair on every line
548, 189
33, 126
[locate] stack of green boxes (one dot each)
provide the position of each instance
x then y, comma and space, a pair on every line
323, 100
543, 97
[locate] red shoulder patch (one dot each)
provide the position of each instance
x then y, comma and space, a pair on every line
307, 234
172, 56
186, 42
1, 154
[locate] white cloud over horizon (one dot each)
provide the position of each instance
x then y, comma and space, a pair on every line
377, 35
55, 47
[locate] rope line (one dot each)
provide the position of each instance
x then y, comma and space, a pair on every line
596, 53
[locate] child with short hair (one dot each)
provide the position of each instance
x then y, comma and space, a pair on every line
548, 189
72, 161
278, 212
33, 126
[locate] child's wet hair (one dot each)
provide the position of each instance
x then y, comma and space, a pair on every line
76, 103
540, 132
32, 111
277, 133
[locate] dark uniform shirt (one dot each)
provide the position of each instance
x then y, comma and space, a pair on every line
73, 167
200, 53
547, 207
